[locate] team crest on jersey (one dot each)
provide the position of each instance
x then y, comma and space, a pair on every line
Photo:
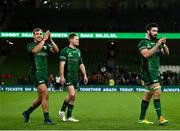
150, 45
42, 54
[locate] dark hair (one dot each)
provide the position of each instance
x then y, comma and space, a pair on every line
150, 25
37, 29
72, 35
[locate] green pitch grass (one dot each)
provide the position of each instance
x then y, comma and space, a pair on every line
95, 110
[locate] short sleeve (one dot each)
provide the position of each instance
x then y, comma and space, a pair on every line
142, 45
63, 55
30, 47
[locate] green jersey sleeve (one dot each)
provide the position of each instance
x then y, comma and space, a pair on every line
30, 46
63, 55
142, 45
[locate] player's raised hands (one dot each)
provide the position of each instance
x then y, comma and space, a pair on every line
161, 41
46, 35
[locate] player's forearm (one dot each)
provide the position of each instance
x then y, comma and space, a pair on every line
54, 46
165, 49
150, 52
38, 47
61, 72
83, 70
61, 69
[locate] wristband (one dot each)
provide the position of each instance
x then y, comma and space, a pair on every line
43, 40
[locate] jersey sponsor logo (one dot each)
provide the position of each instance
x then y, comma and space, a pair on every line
42, 54
150, 45
75, 60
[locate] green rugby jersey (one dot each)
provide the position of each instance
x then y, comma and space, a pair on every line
39, 62
151, 63
73, 59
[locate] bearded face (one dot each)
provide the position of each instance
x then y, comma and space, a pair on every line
152, 33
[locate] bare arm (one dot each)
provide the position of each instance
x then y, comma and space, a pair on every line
148, 53
54, 48
83, 70
165, 50
61, 69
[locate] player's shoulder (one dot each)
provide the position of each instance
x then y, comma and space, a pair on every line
78, 50
64, 50
143, 41
142, 44
31, 44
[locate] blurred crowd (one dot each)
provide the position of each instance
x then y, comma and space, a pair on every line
104, 76
108, 73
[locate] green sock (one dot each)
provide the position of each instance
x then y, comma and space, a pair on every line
65, 104
30, 110
69, 112
157, 106
144, 106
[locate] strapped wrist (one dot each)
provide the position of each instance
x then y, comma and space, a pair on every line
164, 44
43, 40
51, 40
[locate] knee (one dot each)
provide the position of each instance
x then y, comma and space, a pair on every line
72, 97
157, 94
147, 98
44, 94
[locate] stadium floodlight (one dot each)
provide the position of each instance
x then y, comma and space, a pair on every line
45, 2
